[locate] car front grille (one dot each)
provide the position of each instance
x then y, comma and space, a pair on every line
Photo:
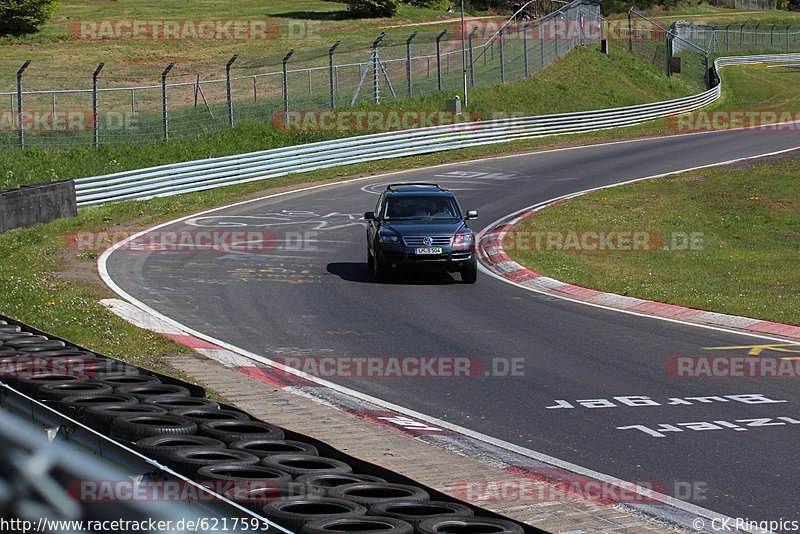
416, 241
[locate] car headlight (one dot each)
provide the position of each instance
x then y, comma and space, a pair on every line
389, 238
463, 239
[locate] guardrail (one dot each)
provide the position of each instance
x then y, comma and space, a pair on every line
191, 176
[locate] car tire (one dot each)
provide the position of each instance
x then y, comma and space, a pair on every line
100, 417
205, 413
417, 512
188, 461
475, 525
368, 494
60, 390
380, 271
136, 427
270, 447
230, 431
142, 391
305, 464
161, 446
322, 483
367, 524
469, 273
171, 402
294, 512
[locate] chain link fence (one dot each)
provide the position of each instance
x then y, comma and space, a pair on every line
56, 105
723, 38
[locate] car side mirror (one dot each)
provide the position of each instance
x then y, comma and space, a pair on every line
472, 214
370, 216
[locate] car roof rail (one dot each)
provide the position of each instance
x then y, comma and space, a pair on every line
393, 187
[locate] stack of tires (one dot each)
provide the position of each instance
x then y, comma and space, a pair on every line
248, 461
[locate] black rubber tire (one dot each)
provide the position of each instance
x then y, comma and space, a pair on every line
34, 341
107, 368
161, 446
469, 273
203, 413
170, 402
49, 353
119, 381
271, 447
305, 464
30, 385
188, 461
67, 389
74, 405
468, 525
101, 417
135, 427
369, 494
380, 271
417, 512
238, 482
9, 335
230, 431
321, 483
364, 525
30, 364
294, 512
257, 496
142, 391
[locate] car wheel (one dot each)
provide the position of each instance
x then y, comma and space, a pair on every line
380, 271
469, 274
370, 260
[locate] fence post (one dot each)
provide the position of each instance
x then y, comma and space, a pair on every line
772, 38
471, 60
502, 57
439, 59
95, 120
555, 34
787, 36
331, 74
630, 33
727, 47
541, 43
408, 63
755, 33
525, 48
133, 102
164, 99
19, 104
376, 59
286, 87
228, 88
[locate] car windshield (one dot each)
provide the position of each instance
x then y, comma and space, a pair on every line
421, 207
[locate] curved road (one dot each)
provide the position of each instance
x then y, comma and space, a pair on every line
313, 296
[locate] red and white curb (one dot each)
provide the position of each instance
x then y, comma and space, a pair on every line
494, 259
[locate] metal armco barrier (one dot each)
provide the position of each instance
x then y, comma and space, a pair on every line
178, 178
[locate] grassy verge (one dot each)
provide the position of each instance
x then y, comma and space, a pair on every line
730, 240
748, 221
582, 80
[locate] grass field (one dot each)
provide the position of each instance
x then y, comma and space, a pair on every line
747, 217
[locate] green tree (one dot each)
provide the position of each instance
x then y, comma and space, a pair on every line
433, 4
373, 8
19, 17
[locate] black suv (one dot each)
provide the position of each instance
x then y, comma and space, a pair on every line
420, 226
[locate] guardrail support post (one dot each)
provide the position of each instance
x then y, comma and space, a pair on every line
408, 62
331, 74
286, 86
439, 59
164, 99
19, 104
95, 120
228, 88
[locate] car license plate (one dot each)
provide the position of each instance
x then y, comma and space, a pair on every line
429, 250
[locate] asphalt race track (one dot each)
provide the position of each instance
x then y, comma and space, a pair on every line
312, 295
